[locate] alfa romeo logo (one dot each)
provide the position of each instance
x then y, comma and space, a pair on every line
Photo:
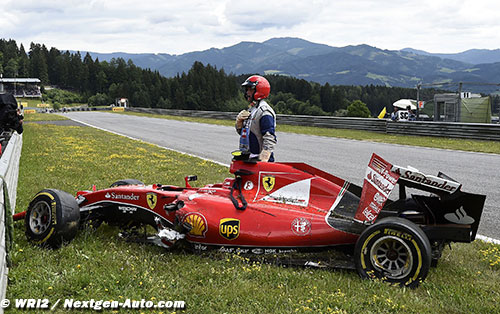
301, 226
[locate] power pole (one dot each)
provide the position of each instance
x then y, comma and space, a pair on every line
459, 105
418, 98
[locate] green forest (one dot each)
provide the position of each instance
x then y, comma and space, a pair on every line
204, 87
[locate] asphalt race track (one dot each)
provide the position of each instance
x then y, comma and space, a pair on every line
478, 172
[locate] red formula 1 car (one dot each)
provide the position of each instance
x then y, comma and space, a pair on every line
282, 208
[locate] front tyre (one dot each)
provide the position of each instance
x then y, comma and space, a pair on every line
52, 218
394, 250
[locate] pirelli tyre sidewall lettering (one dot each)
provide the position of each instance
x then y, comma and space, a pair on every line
394, 250
52, 218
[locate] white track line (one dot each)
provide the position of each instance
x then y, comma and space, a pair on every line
478, 236
487, 239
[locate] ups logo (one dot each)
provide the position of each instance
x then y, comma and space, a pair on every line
229, 228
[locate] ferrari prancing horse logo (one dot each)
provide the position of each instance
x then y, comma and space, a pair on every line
268, 183
152, 199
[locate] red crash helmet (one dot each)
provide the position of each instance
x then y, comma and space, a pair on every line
260, 84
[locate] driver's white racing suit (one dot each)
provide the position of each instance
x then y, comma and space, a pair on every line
258, 131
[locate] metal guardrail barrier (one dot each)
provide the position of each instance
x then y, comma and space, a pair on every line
366, 124
9, 171
478, 131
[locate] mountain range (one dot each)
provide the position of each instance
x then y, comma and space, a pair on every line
350, 65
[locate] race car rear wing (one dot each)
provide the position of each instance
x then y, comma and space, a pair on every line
453, 215
411, 177
378, 184
382, 177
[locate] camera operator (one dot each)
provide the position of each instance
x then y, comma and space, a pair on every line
11, 118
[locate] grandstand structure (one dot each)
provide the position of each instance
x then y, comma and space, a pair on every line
21, 87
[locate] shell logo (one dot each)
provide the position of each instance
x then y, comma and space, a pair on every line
198, 224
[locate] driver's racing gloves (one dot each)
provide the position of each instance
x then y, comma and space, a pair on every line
242, 116
264, 155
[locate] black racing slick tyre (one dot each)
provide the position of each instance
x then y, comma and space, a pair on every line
394, 250
126, 182
52, 218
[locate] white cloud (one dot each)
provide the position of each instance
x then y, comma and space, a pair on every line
259, 14
188, 25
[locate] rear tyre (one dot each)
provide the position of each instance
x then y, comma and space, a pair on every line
126, 182
393, 250
52, 218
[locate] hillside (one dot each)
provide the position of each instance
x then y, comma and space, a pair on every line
473, 56
350, 65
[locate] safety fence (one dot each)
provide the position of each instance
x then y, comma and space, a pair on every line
9, 171
478, 131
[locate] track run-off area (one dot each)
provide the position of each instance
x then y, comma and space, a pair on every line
478, 172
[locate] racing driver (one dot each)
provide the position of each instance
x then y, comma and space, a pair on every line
257, 125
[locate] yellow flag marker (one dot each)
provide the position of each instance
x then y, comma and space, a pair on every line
382, 113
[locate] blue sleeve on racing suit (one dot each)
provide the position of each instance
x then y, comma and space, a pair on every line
267, 124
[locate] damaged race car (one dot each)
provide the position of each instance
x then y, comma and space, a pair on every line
282, 208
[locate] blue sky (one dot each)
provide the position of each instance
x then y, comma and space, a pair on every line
175, 27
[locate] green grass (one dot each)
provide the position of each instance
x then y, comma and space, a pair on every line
33, 117
32, 102
423, 141
99, 265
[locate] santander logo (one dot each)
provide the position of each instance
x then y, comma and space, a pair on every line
380, 182
460, 216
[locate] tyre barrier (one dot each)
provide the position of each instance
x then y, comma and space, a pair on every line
9, 172
73, 109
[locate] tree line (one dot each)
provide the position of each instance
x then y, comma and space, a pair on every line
203, 87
